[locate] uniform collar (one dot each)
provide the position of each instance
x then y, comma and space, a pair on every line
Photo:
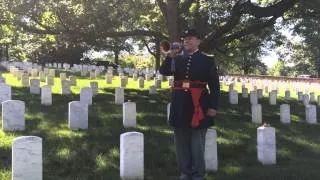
194, 53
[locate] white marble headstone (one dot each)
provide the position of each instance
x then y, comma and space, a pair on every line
42, 76
233, 97
129, 115
34, 86
123, 82
266, 145
27, 158
25, 80
245, 92
65, 87
152, 90
256, 113
5, 92
211, 154
285, 113
13, 115
135, 76
2, 80
86, 95
305, 99
50, 80
46, 71
312, 97
109, 78
119, 95
311, 114
273, 98
78, 115
131, 156
46, 95
34, 73
94, 87
253, 97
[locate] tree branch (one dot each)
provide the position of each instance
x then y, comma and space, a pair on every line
134, 33
61, 20
232, 22
272, 10
149, 50
35, 30
240, 8
238, 34
163, 7
184, 7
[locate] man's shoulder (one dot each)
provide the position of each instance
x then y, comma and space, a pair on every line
208, 57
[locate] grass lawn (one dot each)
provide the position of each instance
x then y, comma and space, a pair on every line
94, 153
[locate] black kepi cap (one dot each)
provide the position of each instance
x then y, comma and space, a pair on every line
191, 32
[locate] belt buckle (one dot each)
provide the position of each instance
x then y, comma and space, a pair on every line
186, 85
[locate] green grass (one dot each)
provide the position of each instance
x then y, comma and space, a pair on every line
94, 153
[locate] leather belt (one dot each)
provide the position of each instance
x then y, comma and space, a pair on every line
189, 84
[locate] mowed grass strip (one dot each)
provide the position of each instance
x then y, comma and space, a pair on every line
94, 153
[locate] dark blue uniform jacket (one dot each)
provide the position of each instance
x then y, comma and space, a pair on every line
195, 67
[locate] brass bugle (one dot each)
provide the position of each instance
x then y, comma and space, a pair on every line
165, 46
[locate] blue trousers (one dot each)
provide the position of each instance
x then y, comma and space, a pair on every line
190, 146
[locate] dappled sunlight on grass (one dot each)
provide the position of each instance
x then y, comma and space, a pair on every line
306, 143
6, 139
231, 169
284, 152
67, 133
64, 153
5, 173
94, 153
295, 118
101, 162
225, 141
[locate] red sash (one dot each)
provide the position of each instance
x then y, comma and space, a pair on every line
196, 88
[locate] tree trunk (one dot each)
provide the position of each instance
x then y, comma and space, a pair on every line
7, 52
116, 57
318, 66
245, 66
157, 54
172, 20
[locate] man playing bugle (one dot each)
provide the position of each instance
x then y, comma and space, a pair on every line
194, 103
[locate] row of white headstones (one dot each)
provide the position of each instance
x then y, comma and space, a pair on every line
27, 151
94, 71
83, 68
49, 74
256, 109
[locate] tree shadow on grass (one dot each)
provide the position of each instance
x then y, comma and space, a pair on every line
94, 153
237, 154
